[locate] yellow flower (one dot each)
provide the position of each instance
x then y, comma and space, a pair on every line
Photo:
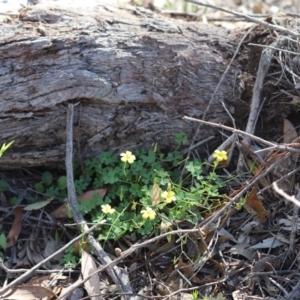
127, 157
106, 208
148, 213
220, 155
169, 196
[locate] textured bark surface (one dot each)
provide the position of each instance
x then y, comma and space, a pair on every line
134, 75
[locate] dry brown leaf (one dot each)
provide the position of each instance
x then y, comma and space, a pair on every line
220, 267
48, 281
52, 246
62, 211
187, 270
45, 280
242, 249
80, 245
16, 227
202, 244
289, 132
155, 195
89, 194
267, 263
28, 292
166, 246
290, 135
172, 283
88, 267
256, 205
287, 164
34, 252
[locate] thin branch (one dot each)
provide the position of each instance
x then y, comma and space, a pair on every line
273, 145
129, 251
274, 48
213, 96
119, 276
263, 68
40, 264
247, 17
282, 193
233, 200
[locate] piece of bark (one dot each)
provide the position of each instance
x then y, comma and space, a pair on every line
135, 74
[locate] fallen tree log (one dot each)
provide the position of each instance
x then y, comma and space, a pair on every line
133, 73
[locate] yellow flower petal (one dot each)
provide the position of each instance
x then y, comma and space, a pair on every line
148, 213
169, 196
128, 157
220, 155
106, 208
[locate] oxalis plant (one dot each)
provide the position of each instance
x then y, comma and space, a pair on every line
144, 192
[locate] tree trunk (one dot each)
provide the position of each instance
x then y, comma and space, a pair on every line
133, 73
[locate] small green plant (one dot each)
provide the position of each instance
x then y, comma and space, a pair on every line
240, 204
69, 259
51, 187
143, 190
4, 147
195, 295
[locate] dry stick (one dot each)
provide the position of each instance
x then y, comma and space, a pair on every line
279, 180
213, 96
256, 103
254, 180
294, 292
273, 145
294, 229
296, 201
216, 215
263, 68
276, 49
119, 276
40, 264
247, 17
129, 251
293, 199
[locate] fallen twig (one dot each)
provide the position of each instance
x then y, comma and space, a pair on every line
273, 145
263, 68
40, 264
205, 224
119, 276
129, 251
247, 17
293, 199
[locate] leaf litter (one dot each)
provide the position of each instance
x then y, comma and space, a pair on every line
215, 261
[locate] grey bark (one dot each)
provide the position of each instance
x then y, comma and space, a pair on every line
133, 73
